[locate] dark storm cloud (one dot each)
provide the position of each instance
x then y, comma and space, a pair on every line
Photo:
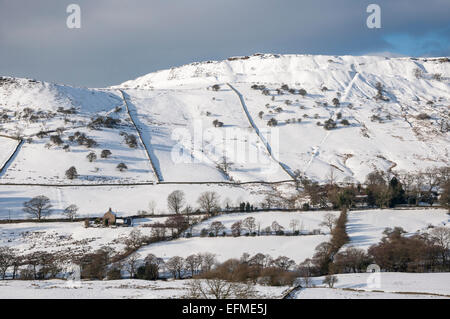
120, 40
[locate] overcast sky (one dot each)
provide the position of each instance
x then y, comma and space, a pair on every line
121, 40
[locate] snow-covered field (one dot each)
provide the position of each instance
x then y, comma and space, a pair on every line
389, 286
307, 221
178, 127
221, 139
365, 228
94, 201
297, 248
114, 289
65, 236
349, 286
48, 166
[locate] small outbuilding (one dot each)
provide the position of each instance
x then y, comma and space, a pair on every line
109, 219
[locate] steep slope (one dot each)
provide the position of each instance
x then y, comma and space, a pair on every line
390, 114
60, 126
282, 115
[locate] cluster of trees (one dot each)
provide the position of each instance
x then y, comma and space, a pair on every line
106, 121
209, 202
417, 253
250, 227
396, 252
72, 172
104, 154
33, 266
379, 190
408, 188
260, 268
129, 139
322, 260
40, 207
82, 139
100, 264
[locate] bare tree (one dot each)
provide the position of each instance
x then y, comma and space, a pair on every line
71, 211
134, 240
209, 202
131, 264
7, 257
193, 263
441, 236
176, 201
38, 207
122, 167
276, 227
216, 227
328, 221
283, 262
330, 280
152, 266
236, 229
219, 289
432, 178
91, 157
175, 265
250, 224
177, 222
294, 223
208, 260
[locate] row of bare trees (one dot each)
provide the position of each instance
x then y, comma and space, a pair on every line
209, 202
251, 227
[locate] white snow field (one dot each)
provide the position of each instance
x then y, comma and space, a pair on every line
178, 127
307, 221
60, 236
205, 127
365, 228
297, 248
111, 289
49, 165
94, 201
41, 107
349, 286
388, 286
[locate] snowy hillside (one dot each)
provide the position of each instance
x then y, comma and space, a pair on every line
345, 116
390, 114
60, 126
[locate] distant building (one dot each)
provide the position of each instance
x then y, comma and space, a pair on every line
109, 219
